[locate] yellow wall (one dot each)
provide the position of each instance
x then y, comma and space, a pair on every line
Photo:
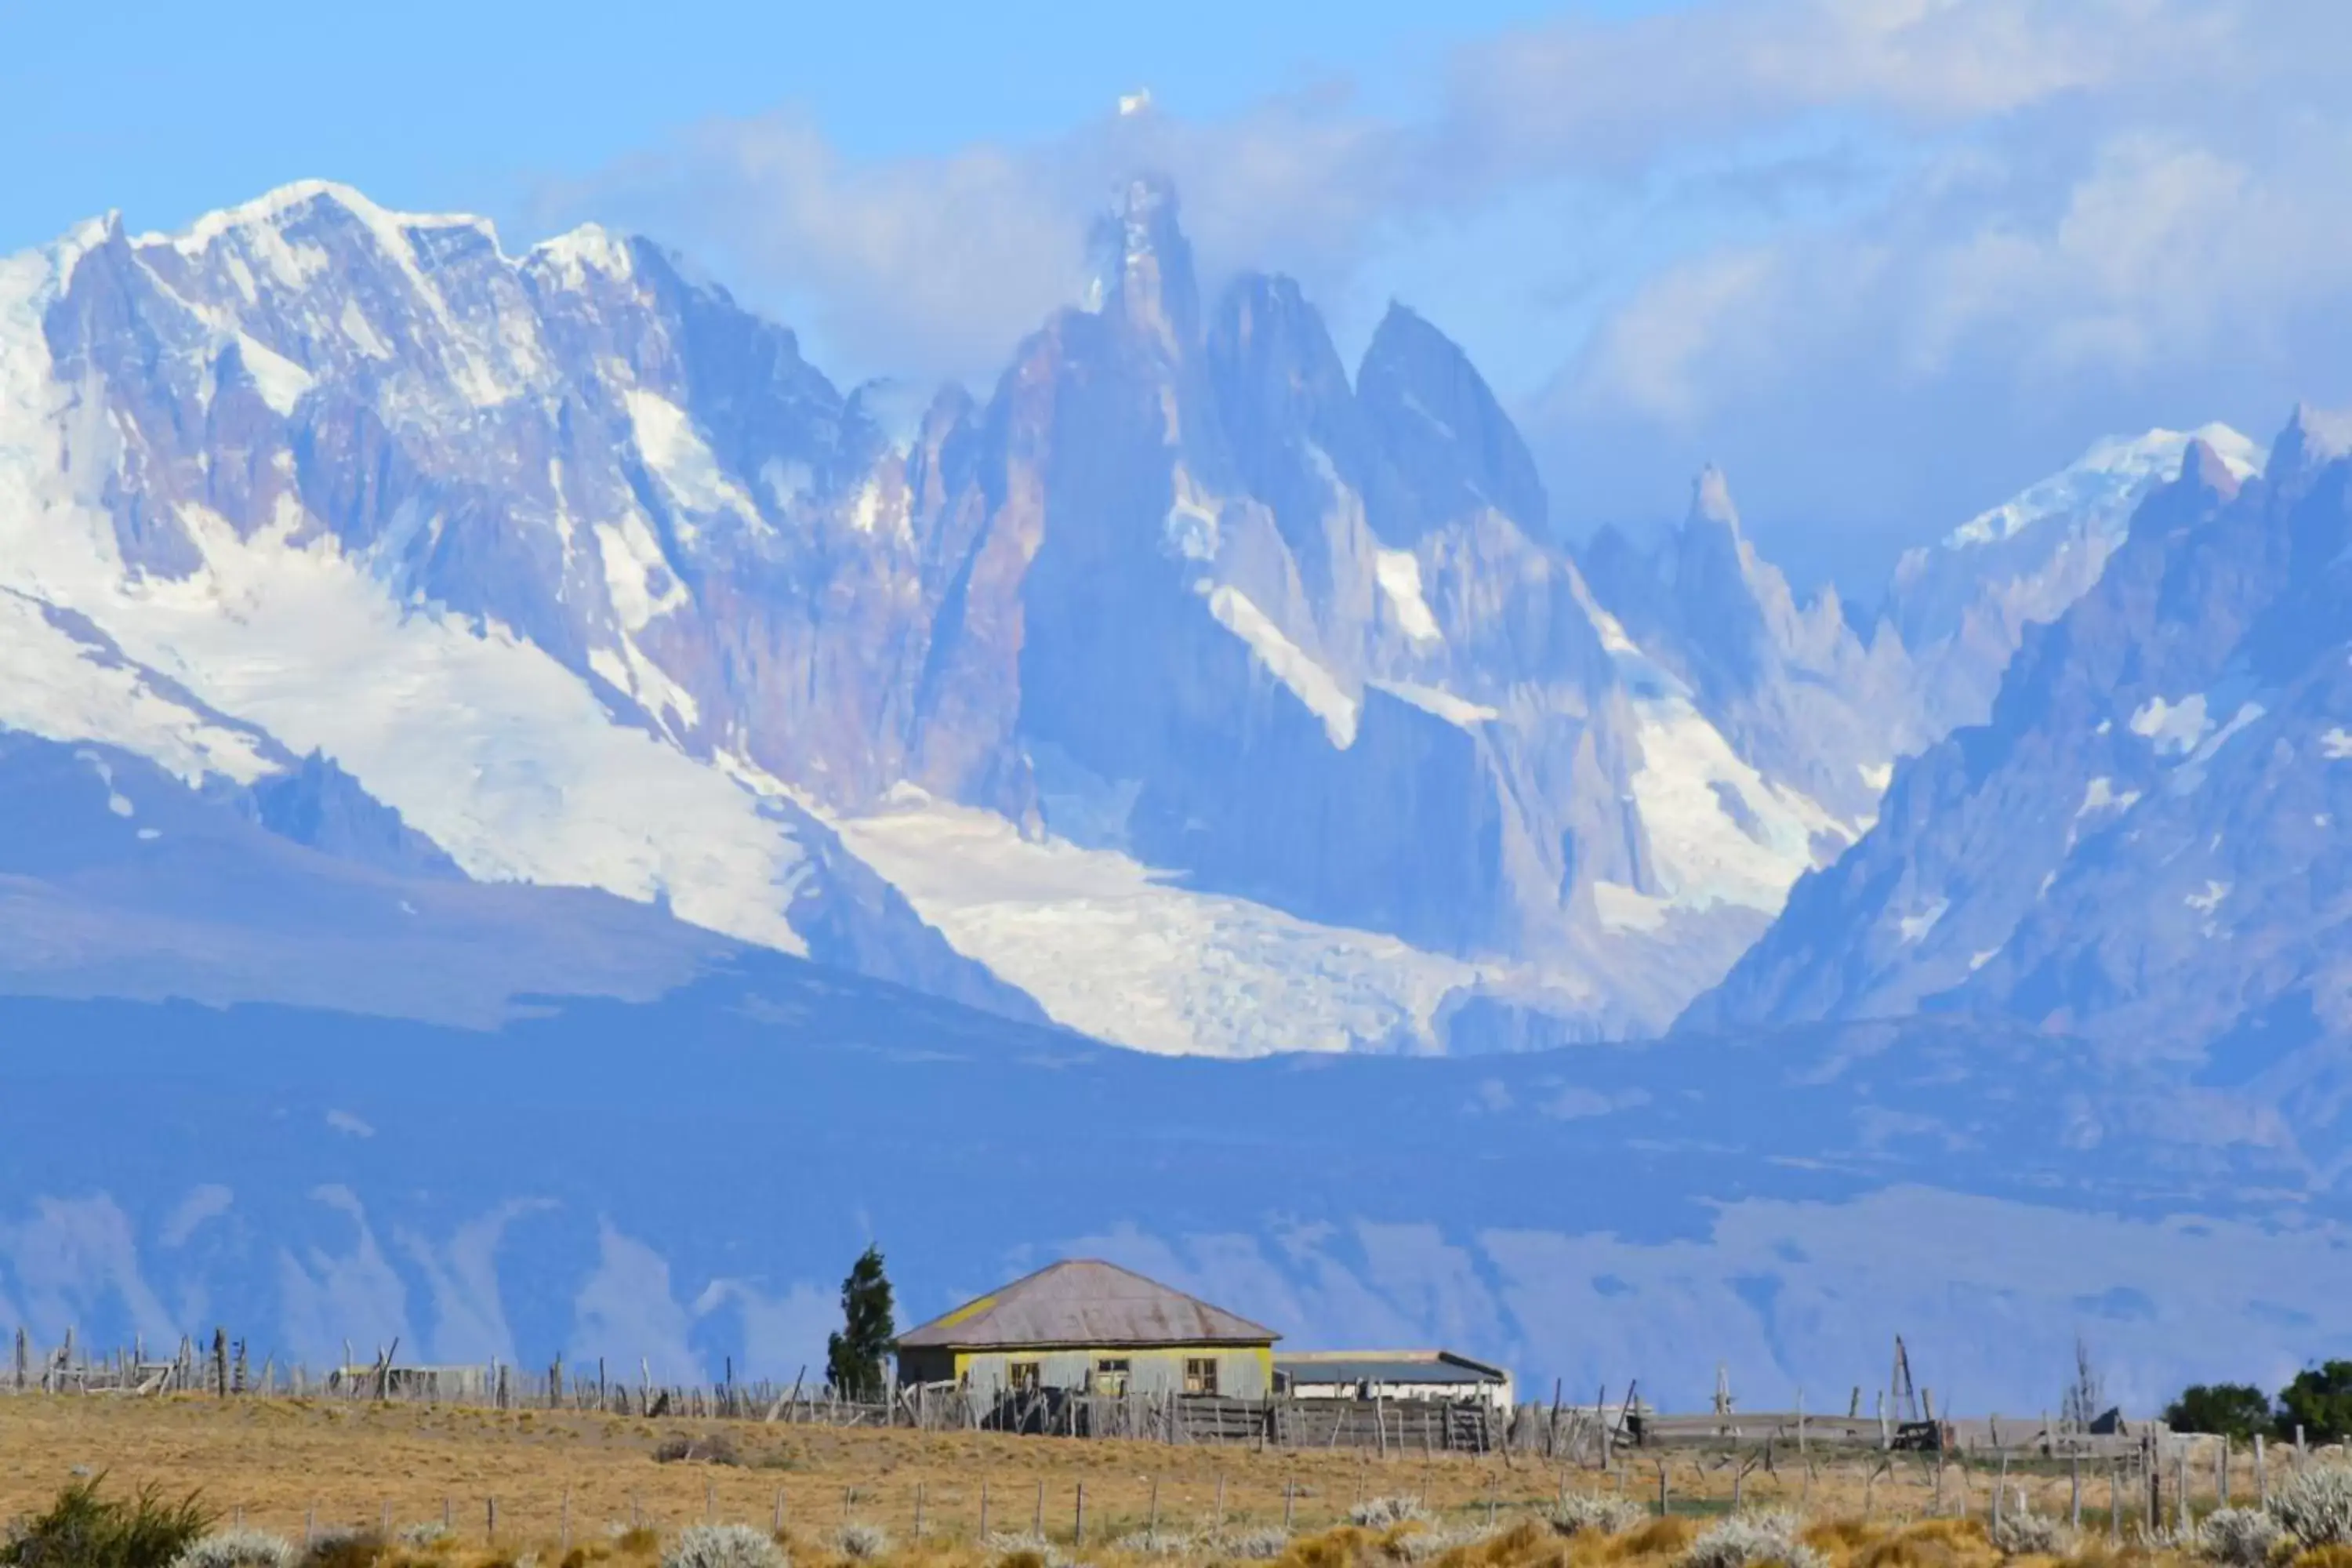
1243, 1371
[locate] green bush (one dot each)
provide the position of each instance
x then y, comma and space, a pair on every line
2319, 1401
81, 1529
2229, 1409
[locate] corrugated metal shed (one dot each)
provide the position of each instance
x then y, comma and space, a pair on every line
1085, 1302
1369, 1369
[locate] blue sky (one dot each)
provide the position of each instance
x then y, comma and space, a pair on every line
1886, 260
166, 112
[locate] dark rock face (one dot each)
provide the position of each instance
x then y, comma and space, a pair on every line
322, 807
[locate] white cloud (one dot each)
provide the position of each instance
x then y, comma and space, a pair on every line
1887, 260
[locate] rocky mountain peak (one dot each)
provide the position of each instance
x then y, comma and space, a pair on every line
1456, 452
1711, 500
2203, 467
1143, 265
2313, 438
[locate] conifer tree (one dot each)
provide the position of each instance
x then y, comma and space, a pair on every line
853, 1358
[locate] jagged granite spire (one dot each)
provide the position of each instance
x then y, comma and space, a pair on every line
1143, 265
1454, 449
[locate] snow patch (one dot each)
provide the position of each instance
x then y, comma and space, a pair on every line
1916, 927
1457, 711
1623, 909
1398, 574
2101, 795
2174, 729
362, 333
678, 456
281, 383
63, 689
2335, 745
1312, 684
1702, 853
1877, 775
638, 576
2207, 901
2247, 713
590, 249
1111, 947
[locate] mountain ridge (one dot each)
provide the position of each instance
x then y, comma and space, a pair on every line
633, 596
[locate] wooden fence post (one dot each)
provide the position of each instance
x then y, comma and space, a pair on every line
1078, 1531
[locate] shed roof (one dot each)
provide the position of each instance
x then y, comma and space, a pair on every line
1084, 1302
1378, 1367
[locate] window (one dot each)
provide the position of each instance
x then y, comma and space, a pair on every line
1200, 1374
1026, 1377
1111, 1375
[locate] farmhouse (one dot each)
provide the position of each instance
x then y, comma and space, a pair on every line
1391, 1375
1089, 1327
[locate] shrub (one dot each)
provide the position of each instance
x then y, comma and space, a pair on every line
1024, 1551
2021, 1533
2231, 1409
1597, 1513
1262, 1544
2238, 1537
723, 1546
1743, 1540
2319, 1401
424, 1536
1386, 1512
862, 1543
2315, 1507
1154, 1543
342, 1546
1424, 1545
82, 1529
711, 1449
238, 1549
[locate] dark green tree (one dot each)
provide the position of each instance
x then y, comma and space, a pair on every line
853, 1358
2231, 1409
2319, 1401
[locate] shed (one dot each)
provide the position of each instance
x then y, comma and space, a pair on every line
1439, 1374
1089, 1327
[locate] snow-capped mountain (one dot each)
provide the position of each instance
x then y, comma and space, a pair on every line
1214, 697
2140, 844
1962, 605
393, 627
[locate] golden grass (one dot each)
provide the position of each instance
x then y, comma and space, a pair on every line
573, 1489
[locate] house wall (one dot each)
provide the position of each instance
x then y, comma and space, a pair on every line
1497, 1394
1244, 1371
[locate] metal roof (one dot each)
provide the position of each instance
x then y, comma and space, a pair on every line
1084, 1302
1386, 1366
1417, 1369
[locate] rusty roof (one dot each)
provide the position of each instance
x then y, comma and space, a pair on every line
1085, 1302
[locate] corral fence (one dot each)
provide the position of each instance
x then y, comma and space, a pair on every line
2135, 1463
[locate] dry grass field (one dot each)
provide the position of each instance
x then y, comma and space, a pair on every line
575, 1482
